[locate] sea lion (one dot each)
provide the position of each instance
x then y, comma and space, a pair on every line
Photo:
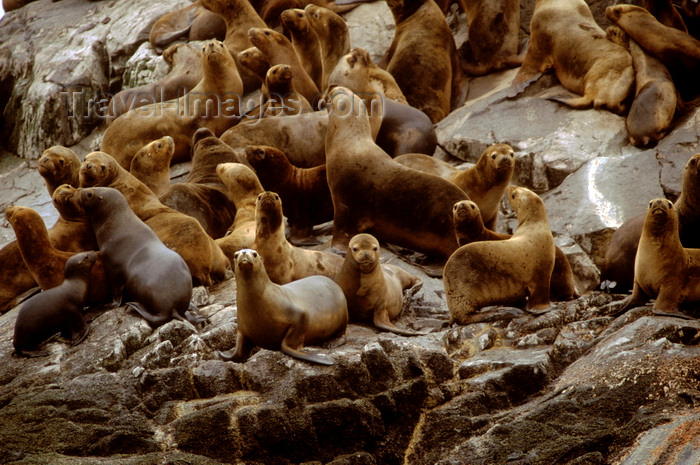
304, 191
565, 36
56, 310
492, 42
59, 165
203, 196
618, 265
423, 58
505, 272
372, 193
308, 311
655, 101
285, 262
374, 292
239, 16
185, 72
665, 13
485, 182
281, 95
253, 59
271, 10
244, 188
155, 279
305, 43
151, 164
469, 227
677, 50
333, 36
213, 103
663, 269
179, 232
192, 22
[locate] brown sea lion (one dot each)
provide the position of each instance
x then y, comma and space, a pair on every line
192, 22
308, 311
665, 13
244, 188
285, 262
655, 101
213, 103
305, 43
374, 291
304, 191
59, 165
469, 227
423, 58
271, 10
179, 232
282, 97
485, 182
155, 279
185, 72
507, 272
677, 50
72, 231
56, 310
253, 59
151, 164
663, 269
333, 36
690, 12
565, 36
374, 194
203, 196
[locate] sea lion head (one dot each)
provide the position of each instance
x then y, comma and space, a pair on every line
254, 59
661, 211
240, 180
294, 20
263, 157
348, 112
268, 212
156, 154
80, 264
58, 163
501, 159
616, 35
364, 249
215, 55
245, 260
527, 204
279, 74
201, 134
95, 199
351, 71
467, 220
13, 212
98, 169
67, 203
266, 39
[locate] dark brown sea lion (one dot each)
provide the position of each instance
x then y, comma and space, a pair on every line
311, 310
665, 13
59, 165
193, 22
56, 310
151, 164
507, 272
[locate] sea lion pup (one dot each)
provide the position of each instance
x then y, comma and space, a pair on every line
304, 191
305, 43
185, 72
244, 187
239, 16
492, 43
278, 50
151, 164
469, 227
655, 102
665, 13
59, 165
282, 97
56, 310
565, 36
193, 22
374, 291
505, 272
333, 37
44, 261
423, 58
307, 311
155, 279
485, 182
678, 50
618, 265
663, 269
374, 194
213, 103
178, 231
285, 262
203, 196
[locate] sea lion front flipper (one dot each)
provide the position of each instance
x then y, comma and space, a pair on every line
381, 321
673, 313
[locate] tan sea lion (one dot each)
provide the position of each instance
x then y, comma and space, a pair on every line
374, 194
485, 182
374, 292
285, 262
203, 196
565, 36
282, 97
59, 165
333, 36
663, 269
253, 59
213, 103
192, 22
308, 311
244, 188
56, 310
185, 72
153, 278
305, 43
507, 272
151, 164
304, 191
469, 227
179, 232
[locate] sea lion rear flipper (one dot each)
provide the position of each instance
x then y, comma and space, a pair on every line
673, 313
503, 313
193, 316
293, 340
243, 347
32, 353
313, 358
153, 320
381, 321
572, 100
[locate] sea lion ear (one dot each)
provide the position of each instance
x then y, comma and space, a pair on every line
670, 204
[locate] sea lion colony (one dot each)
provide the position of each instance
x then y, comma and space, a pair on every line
316, 137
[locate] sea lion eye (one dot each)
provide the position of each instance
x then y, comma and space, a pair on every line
160, 145
374, 248
61, 162
354, 248
277, 197
267, 33
493, 156
254, 254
